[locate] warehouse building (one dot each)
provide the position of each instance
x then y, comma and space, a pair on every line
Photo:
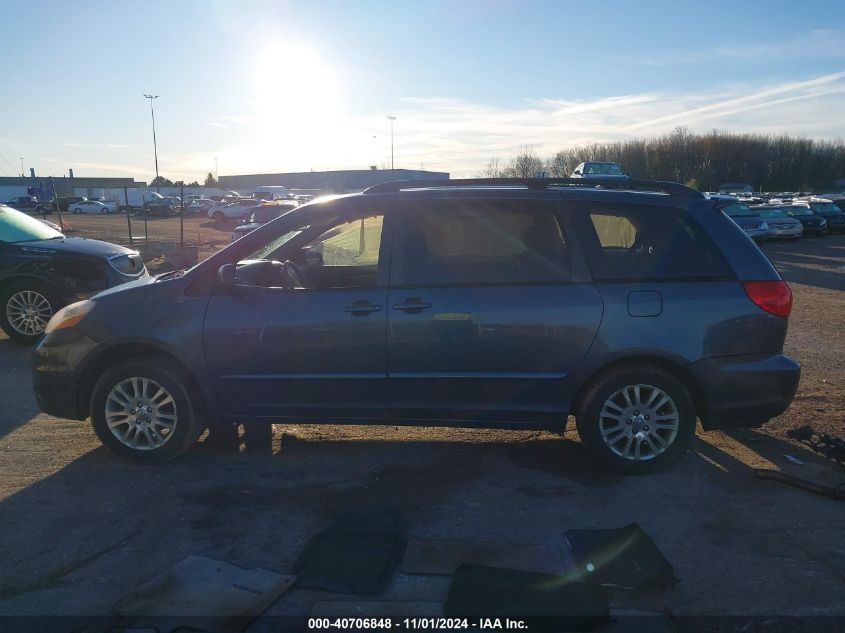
344, 181
66, 186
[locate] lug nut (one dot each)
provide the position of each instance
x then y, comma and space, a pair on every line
628, 421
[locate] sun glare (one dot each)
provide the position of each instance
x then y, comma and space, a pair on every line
295, 92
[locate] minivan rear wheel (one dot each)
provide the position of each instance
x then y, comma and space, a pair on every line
637, 419
144, 410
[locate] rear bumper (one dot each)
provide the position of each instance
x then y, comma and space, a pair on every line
745, 390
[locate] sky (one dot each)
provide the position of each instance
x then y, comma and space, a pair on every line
270, 86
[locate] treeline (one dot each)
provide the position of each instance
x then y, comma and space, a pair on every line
704, 161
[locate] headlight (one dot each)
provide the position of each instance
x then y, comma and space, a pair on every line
69, 316
764, 227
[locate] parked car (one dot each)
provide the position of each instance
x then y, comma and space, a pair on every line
200, 205
162, 206
28, 204
747, 219
813, 224
260, 216
233, 210
828, 210
510, 306
64, 203
596, 169
92, 206
781, 225
41, 271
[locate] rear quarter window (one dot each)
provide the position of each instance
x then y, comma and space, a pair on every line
648, 243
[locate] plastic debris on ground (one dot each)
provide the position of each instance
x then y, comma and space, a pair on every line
358, 554
622, 557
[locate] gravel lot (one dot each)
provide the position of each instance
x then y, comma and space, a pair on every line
80, 529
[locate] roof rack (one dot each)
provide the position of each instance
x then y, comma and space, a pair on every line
628, 184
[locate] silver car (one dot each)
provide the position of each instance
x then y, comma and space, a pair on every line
781, 226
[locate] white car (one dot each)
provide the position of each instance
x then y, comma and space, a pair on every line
237, 209
93, 206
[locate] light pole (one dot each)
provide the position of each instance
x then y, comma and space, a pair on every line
21, 166
392, 119
155, 147
216, 173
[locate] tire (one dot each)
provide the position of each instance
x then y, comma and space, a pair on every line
606, 391
178, 405
218, 216
20, 296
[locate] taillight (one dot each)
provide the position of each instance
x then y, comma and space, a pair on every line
774, 297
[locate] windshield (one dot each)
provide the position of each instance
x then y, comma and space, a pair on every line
772, 213
609, 169
826, 207
736, 210
19, 227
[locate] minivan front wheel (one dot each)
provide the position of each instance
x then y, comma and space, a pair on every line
637, 419
144, 410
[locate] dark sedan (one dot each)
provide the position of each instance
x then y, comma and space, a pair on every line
832, 214
41, 271
813, 224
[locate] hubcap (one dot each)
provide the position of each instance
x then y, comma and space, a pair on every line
639, 422
141, 413
28, 311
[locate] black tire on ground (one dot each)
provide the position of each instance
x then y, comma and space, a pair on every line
12, 289
218, 216
188, 408
605, 385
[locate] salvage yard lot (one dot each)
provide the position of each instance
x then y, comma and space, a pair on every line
81, 529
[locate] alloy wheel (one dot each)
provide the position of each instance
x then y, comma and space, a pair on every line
28, 312
639, 422
141, 413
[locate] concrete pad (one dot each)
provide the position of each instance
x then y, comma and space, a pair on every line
442, 558
206, 594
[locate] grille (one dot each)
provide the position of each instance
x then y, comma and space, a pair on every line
130, 265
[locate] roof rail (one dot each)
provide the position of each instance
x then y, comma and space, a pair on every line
628, 184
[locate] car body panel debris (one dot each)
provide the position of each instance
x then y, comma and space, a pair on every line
205, 594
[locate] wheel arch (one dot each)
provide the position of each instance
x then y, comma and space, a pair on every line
140, 350
677, 369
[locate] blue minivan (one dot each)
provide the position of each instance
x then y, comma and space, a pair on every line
636, 306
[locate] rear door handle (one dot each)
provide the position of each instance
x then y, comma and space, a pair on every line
362, 307
412, 305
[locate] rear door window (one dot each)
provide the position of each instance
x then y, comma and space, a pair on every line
483, 242
647, 243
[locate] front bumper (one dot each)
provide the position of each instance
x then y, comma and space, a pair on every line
57, 364
745, 390
792, 231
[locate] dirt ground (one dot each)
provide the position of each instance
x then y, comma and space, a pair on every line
80, 529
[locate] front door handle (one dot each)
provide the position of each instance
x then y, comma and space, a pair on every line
362, 307
412, 305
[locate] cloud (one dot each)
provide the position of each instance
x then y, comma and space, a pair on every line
215, 124
461, 136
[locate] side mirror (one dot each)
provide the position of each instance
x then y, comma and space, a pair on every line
226, 277
313, 258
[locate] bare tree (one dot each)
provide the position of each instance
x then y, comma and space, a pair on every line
493, 169
526, 164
